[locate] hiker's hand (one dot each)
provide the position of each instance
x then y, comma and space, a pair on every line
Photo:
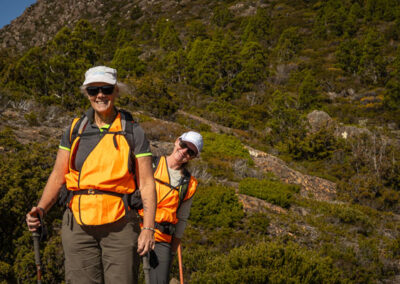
32, 219
145, 242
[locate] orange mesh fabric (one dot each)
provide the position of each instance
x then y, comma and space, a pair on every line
105, 168
167, 200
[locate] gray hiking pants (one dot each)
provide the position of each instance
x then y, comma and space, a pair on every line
160, 274
101, 254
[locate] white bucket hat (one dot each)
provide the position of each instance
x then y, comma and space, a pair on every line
193, 137
101, 74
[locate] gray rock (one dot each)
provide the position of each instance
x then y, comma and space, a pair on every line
318, 120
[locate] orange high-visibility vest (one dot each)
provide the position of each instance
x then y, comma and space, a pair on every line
168, 199
105, 170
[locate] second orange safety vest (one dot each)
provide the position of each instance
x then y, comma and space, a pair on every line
168, 199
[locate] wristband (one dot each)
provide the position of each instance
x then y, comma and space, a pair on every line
149, 228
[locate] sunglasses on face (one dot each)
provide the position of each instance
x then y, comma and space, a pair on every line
183, 145
94, 90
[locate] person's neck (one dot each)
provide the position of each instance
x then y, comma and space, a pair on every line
172, 163
102, 119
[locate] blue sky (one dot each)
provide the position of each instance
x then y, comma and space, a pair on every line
11, 9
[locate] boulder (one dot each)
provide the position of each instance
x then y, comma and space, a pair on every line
319, 119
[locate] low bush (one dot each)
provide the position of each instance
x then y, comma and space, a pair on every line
269, 262
315, 146
271, 191
348, 214
216, 206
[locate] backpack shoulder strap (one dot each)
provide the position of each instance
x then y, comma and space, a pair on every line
155, 160
127, 124
126, 115
77, 126
126, 119
184, 186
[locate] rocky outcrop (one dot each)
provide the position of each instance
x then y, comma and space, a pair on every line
256, 205
311, 186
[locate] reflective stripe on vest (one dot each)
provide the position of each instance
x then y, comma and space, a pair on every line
106, 168
167, 199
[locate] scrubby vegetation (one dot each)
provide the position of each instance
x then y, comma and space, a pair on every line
272, 191
259, 68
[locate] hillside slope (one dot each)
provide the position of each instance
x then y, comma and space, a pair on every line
298, 102
312, 217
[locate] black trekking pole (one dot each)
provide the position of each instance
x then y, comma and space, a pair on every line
146, 268
36, 247
38, 235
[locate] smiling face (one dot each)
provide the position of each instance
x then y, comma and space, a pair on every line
181, 152
102, 103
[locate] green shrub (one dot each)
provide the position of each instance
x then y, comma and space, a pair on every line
8, 139
226, 114
274, 192
221, 152
127, 62
24, 170
258, 223
53, 260
153, 96
269, 262
343, 217
216, 207
315, 146
350, 215
224, 146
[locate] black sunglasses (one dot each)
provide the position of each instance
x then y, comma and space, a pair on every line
94, 90
183, 145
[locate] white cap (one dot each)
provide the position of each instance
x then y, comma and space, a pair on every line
101, 74
193, 137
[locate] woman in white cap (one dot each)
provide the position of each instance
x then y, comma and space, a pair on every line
102, 159
175, 188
